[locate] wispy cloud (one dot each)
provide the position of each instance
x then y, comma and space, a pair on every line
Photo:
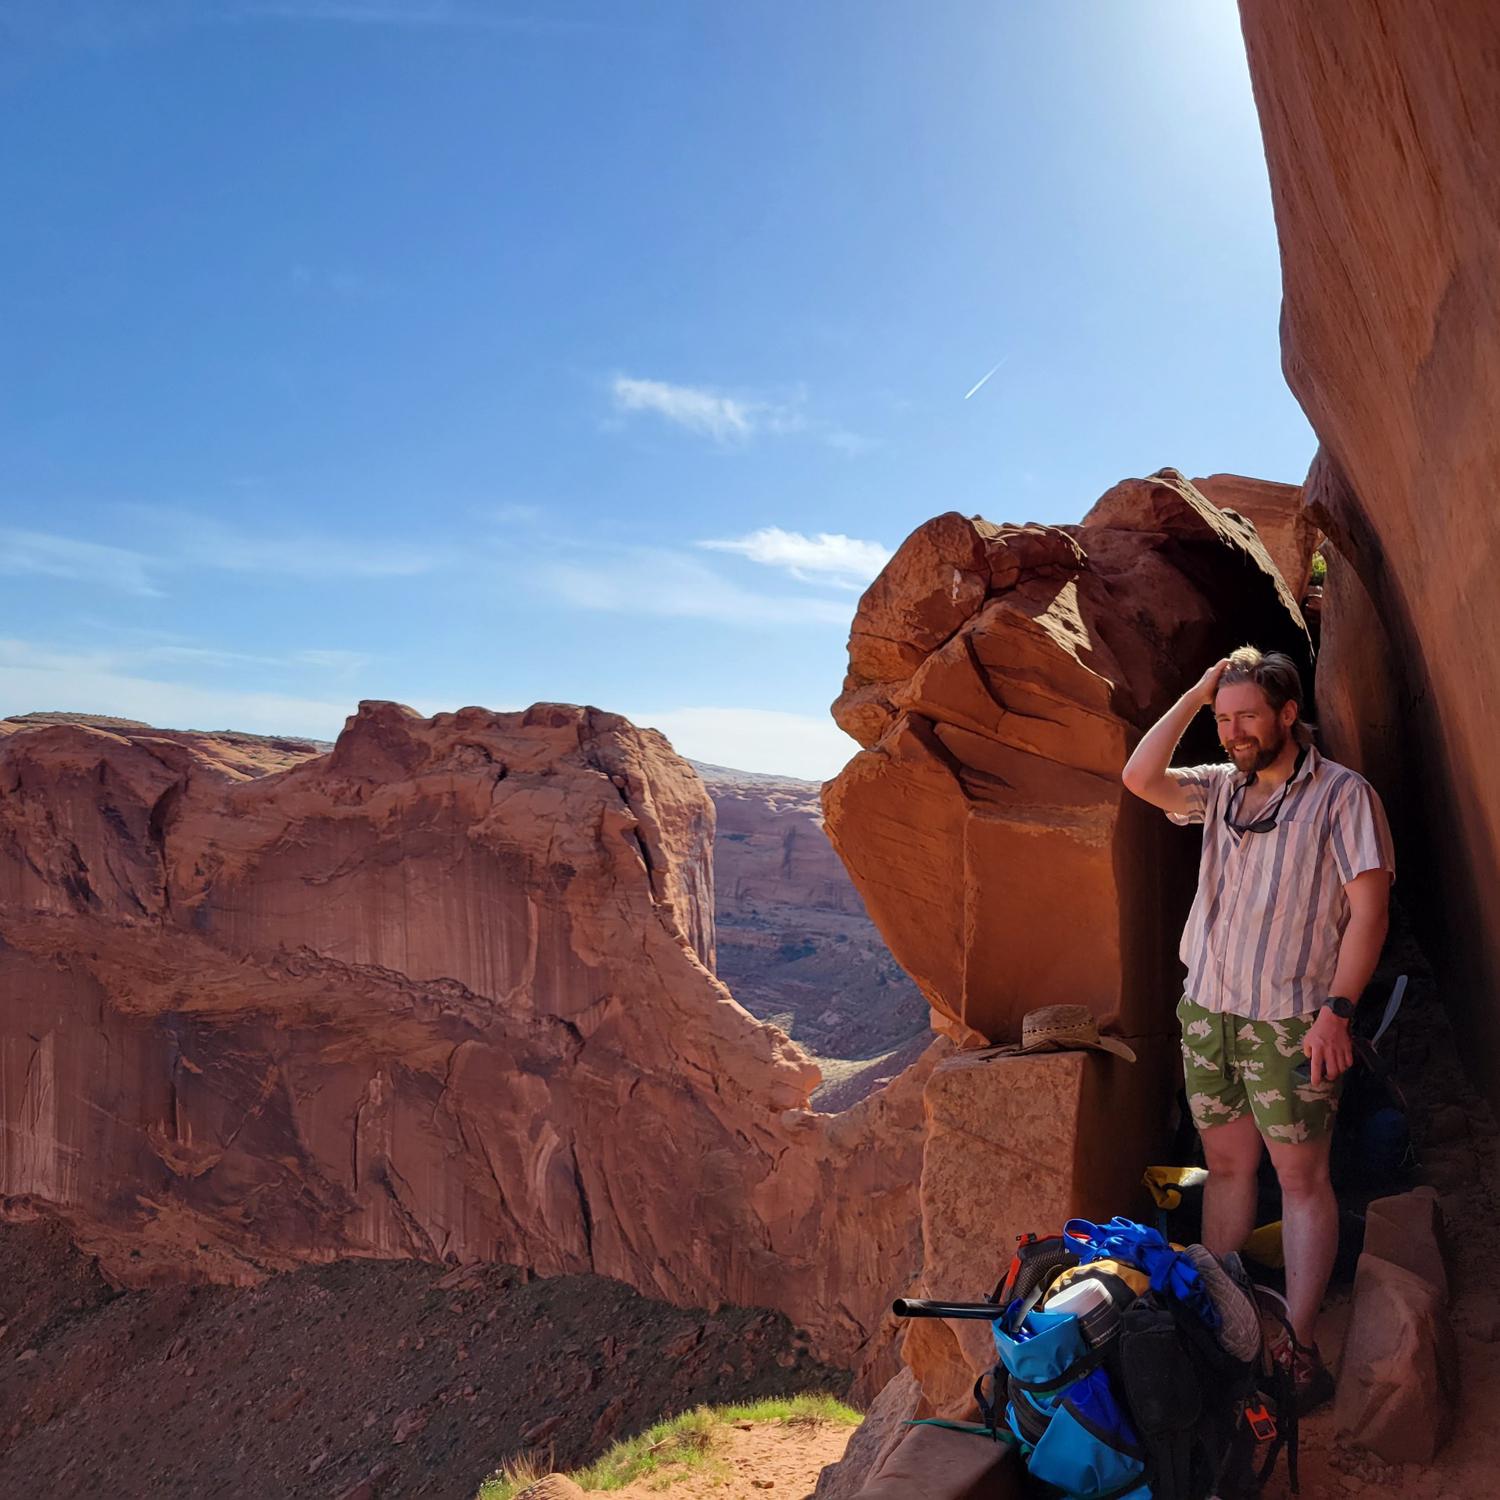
38, 552
197, 541
675, 585
184, 542
730, 420
720, 417
144, 654
510, 513
829, 557
344, 663
37, 678
808, 746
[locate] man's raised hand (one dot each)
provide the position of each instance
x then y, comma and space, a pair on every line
1208, 684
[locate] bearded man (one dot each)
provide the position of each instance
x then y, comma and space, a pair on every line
1291, 912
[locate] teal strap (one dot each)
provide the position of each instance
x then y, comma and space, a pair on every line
970, 1427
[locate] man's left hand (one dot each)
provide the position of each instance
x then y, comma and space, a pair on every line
1329, 1046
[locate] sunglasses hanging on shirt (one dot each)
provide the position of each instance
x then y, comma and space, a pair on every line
1267, 821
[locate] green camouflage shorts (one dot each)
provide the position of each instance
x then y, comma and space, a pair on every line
1231, 1064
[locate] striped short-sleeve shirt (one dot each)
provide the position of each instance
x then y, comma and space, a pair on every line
1262, 939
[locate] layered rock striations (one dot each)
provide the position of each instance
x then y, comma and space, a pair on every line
1380, 124
443, 992
795, 944
998, 676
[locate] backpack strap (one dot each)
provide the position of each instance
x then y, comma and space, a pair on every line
970, 1427
1391, 1007
1075, 1371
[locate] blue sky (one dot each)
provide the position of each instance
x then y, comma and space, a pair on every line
486, 353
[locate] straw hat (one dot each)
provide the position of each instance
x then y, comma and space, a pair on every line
1065, 1028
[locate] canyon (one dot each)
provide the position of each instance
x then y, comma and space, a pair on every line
444, 992
795, 945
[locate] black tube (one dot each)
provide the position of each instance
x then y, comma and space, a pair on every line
919, 1307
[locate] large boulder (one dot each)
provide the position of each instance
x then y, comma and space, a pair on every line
441, 992
998, 677
1379, 124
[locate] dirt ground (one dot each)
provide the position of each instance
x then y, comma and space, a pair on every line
361, 1378
754, 1461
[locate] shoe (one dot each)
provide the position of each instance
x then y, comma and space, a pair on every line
1312, 1380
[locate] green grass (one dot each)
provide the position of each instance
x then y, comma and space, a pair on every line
686, 1440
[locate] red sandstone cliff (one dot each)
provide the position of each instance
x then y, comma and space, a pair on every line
442, 992
1380, 124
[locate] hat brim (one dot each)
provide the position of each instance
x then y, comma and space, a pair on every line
1080, 1044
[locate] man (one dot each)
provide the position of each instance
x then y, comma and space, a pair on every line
1291, 912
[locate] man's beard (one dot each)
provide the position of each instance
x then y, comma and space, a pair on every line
1256, 756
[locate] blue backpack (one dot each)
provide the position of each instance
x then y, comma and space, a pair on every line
1136, 1399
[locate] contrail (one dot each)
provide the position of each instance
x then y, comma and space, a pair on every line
987, 374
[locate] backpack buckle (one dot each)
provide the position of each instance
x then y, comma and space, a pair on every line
1262, 1423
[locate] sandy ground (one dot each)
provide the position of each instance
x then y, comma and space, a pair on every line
766, 1458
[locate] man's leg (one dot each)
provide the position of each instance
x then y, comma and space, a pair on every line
1309, 1228
1233, 1155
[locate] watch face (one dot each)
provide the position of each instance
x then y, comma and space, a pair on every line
1340, 1006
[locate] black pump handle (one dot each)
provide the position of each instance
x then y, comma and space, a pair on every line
920, 1307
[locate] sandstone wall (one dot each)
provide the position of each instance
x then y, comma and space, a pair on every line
443, 992
1380, 123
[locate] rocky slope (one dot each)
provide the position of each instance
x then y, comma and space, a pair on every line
442, 993
1380, 125
413, 1378
795, 945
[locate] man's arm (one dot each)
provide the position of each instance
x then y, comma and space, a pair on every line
1145, 772
1328, 1044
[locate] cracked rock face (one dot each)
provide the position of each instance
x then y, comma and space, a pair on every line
998, 678
443, 992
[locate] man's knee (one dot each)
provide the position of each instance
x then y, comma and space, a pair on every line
1232, 1150
1303, 1171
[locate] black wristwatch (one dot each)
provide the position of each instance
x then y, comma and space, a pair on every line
1342, 1008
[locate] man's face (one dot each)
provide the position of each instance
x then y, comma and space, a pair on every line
1249, 730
